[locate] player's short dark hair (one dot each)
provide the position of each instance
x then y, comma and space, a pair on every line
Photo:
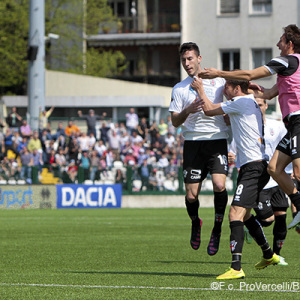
244, 84
292, 33
189, 47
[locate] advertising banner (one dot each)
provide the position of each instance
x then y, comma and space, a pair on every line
27, 196
88, 196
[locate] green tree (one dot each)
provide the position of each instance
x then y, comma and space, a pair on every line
14, 29
67, 19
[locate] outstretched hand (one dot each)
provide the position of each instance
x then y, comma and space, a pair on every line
208, 73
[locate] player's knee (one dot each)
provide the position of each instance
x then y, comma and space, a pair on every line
191, 198
266, 222
218, 187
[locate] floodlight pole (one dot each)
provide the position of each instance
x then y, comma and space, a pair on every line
36, 65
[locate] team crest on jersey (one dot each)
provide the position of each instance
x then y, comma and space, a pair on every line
233, 245
212, 82
271, 131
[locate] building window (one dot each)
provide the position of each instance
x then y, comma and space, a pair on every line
261, 57
262, 6
230, 59
229, 6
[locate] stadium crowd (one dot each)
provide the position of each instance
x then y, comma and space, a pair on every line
150, 149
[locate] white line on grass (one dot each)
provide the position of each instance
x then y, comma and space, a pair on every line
139, 287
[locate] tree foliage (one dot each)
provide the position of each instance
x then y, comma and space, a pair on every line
72, 21
110, 64
14, 29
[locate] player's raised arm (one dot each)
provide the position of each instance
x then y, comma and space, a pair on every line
257, 73
265, 93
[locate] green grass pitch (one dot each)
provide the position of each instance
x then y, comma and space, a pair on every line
129, 254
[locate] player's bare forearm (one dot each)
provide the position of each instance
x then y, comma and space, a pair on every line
179, 118
257, 73
265, 93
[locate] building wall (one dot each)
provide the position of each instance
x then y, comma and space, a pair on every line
212, 32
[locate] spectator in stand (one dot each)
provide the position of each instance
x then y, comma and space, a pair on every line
125, 138
170, 140
136, 148
136, 138
129, 157
17, 139
85, 164
22, 145
118, 130
104, 133
37, 159
163, 162
132, 120
27, 163
110, 158
100, 148
94, 165
71, 129
163, 128
84, 142
92, 141
103, 167
73, 149
61, 142
34, 142
142, 156
25, 129
1, 140
72, 170
172, 169
124, 150
60, 130
60, 160
114, 143
14, 120
43, 118
49, 131
122, 128
91, 121
143, 128
51, 158
144, 171
8, 141
152, 159
120, 178
45, 140
171, 128
158, 141
153, 130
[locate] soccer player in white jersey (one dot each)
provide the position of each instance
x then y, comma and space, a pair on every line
272, 202
205, 144
247, 130
287, 69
